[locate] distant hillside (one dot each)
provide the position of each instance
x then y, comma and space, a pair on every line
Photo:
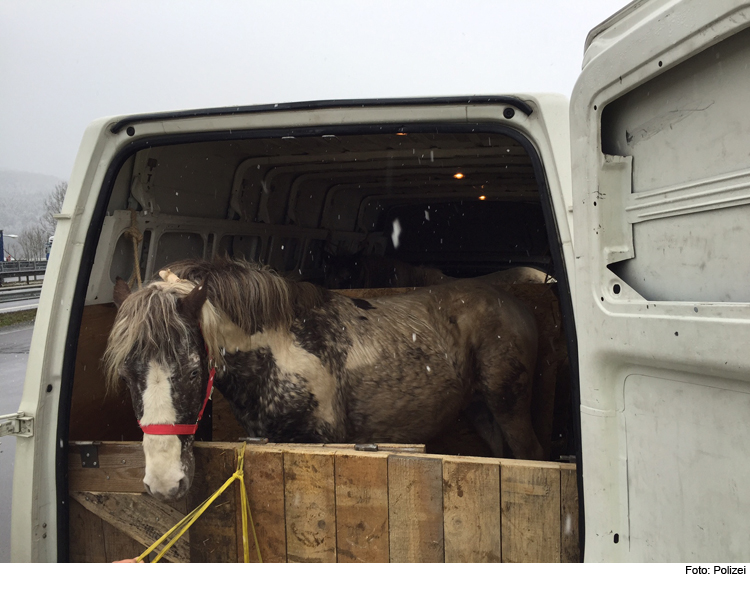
22, 196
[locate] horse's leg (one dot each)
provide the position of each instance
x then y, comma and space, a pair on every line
520, 434
505, 385
486, 427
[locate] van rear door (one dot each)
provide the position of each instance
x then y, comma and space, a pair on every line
660, 136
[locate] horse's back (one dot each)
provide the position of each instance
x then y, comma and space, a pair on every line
416, 359
475, 306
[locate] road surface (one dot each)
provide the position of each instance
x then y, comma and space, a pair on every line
14, 354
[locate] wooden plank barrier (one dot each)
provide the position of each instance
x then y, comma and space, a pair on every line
362, 507
331, 504
471, 508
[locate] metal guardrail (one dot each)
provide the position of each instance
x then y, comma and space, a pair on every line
18, 294
22, 265
21, 269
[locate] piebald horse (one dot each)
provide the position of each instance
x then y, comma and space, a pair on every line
299, 363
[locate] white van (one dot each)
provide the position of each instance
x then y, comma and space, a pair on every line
634, 198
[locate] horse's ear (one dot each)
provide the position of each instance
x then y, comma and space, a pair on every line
190, 306
121, 291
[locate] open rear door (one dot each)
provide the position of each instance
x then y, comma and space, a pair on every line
660, 132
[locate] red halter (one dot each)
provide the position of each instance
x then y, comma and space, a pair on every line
184, 429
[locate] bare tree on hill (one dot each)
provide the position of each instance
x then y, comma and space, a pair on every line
32, 240
52, 205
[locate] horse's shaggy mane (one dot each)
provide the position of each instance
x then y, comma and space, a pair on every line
147, 326
251, 296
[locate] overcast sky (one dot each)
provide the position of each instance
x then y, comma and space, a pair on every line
64, 63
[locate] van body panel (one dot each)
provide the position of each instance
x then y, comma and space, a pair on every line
34, 516
659, 144
112, 171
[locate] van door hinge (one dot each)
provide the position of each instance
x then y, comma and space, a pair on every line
19, 424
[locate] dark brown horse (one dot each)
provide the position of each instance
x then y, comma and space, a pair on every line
299, 363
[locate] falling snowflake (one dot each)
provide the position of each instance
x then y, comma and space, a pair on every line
396, 233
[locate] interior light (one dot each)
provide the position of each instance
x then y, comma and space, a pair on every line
482, 197
400, 133
458, 175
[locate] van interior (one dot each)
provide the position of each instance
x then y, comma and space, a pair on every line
319, 206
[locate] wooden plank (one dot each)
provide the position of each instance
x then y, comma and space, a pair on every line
310, 506
570, 550
530, 496
90, 401
471, 508
118, 545
121, 469
296, 492
543, 303
213, 537
415, 497
264, 480
224, 424
362, 507
138, 516
86, 535
409, 448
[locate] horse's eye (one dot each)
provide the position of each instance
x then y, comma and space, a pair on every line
194, 373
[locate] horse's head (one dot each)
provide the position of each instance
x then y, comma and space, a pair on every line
156, 347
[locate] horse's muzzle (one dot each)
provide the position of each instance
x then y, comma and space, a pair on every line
173, 494
169, 466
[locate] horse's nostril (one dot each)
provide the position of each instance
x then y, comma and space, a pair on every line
182, 488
